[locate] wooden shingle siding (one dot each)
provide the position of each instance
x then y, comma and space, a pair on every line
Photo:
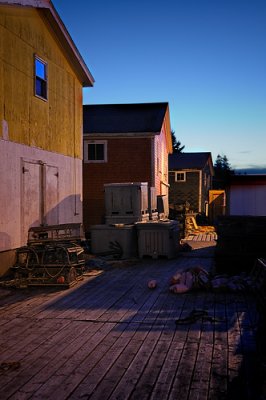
199, 171
185, 191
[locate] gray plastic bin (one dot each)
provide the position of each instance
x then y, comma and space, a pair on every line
104, 240
158, 238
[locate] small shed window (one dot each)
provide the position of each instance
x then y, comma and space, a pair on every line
180, 176
40, 72
95, 151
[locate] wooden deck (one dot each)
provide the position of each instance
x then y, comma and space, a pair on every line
202, 237
110, 337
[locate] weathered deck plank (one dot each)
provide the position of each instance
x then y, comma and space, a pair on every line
110, 337
199, 388
133, 339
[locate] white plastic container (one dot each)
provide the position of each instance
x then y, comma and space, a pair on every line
126, 202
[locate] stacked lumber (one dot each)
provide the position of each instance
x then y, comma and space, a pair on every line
193, 228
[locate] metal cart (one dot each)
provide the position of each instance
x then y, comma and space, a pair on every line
53, 256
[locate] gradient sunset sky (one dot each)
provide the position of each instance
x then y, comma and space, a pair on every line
207, 58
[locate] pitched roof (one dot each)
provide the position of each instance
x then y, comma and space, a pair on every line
189, 160
57, 27
124, 118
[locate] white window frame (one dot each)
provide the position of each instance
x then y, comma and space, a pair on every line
205, 179
86, 155
180, 173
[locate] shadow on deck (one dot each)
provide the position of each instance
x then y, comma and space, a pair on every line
111, 337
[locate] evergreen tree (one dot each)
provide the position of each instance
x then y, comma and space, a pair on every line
223, 171
177, 148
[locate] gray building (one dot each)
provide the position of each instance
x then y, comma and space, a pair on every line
190, 179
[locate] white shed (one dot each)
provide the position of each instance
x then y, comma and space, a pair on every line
247, 195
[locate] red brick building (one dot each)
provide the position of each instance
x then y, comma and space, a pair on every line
123, 143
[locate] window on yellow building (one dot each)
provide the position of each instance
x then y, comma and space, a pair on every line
40, 78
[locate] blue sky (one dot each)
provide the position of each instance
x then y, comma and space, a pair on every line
207, 58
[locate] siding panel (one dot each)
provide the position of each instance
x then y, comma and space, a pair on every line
68, 206
249, 200
31, 120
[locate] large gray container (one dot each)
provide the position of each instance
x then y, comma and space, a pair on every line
158, 238
126, 202
105, 239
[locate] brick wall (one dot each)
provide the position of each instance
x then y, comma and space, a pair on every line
128, 160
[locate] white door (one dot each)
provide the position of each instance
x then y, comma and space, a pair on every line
31, 204
39, 205
51, 214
